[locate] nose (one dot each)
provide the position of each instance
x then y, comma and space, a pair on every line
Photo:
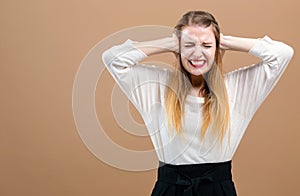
198, 51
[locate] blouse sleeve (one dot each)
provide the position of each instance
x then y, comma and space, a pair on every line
143, 84
249, 86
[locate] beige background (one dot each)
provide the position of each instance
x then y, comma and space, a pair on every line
42, 46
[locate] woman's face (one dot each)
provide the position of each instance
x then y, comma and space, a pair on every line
198, 47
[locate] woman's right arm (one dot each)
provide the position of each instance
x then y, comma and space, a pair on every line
121, 57
168, 44
143, 84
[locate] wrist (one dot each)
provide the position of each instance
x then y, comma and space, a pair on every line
168, 44
237, 43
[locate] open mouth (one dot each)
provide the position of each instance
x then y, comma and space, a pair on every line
197, 63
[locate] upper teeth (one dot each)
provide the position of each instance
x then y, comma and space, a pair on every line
198, 62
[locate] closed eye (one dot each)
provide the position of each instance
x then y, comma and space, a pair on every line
189, 45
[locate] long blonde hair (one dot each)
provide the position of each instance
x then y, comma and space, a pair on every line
215, 110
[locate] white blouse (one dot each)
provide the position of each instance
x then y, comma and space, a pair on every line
247, 88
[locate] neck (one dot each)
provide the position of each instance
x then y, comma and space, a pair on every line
198, 84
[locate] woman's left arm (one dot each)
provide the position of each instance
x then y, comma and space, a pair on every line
281, 52
237, 43
251, 85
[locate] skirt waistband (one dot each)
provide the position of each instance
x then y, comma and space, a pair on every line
191, 177
194, 173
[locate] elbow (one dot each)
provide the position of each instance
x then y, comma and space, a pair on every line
107, 58
285, 54
114, 64
289, 52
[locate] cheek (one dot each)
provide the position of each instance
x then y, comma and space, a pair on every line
185, 53
184, 61
211, 54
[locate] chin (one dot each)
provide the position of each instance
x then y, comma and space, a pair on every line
196, 73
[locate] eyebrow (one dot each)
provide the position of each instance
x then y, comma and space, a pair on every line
189, 42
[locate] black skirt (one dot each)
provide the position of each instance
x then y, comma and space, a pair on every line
207, 179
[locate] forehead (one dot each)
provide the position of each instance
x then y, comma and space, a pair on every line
198, 33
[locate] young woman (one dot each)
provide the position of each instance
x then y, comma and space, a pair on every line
195, 114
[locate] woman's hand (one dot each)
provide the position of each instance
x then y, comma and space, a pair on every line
222, 45
175, 46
